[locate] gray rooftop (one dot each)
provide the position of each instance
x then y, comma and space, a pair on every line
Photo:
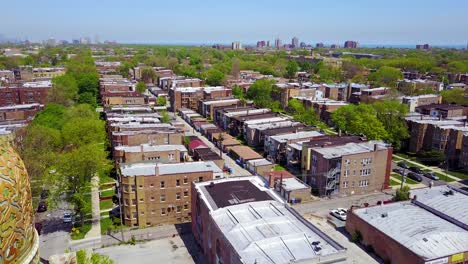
422, 232
448, 201
301, 134
151, 148
149, 168
259, 162
350, 148
291, 184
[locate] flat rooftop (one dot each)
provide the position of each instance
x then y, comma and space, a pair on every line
250, 111
419, 230
149, 168
451, 202
291, 136
330, 152
260, 227
291, 184
265, 120
151, 148
259, 162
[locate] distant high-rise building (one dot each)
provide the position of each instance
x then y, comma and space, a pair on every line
76, 41
423, 46
295, 42
334, 46
319, 45
236, 45
349, 44
268, 43
278, 43
261, 44
51, 42
303, 45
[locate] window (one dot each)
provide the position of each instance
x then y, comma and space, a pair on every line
142, 213
185, 193
177, 182
134, 215
163, 198
152, 198
178, 196
345, 184
185, 180
141, 186
171, 156
365, 172
163, 211
163, 184
347, 162
179, 208
152, 211
134, 202
133, 188
363, 183
346, 173
185, 206
200, 179
151, 185
141, 200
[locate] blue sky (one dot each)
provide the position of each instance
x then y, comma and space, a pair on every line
209, 21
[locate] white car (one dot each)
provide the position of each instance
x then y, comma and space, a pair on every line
67, 217
339, 213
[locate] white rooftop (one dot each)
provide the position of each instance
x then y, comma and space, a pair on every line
19, 106
422, 232
149, 168
349, 149
274, 125
221, 101
291, 184
265, 120
250, 111
268, 231
39, 84
301, 134
151, 148
259, 162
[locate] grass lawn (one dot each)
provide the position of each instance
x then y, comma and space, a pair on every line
459, 174
79, 232
106, 204
108, 193
442, 176
105, 178
407, 180
406, 156
104, 214
279, 167
394, 183
107, 224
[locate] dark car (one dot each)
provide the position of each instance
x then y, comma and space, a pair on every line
431, 176
399, 171
42, 207
402, 164
415, 176
416, 169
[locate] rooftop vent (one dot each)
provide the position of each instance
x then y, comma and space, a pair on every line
384, 215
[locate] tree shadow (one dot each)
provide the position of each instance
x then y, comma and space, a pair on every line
53, 225
185, 233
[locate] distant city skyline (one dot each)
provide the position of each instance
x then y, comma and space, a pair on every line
187, 22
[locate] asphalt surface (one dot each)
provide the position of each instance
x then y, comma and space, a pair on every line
425, 180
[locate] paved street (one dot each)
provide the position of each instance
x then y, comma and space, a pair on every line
425, 180
236, 169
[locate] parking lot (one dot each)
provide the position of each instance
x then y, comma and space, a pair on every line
425, 180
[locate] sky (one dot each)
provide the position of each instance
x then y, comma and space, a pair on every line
443, 22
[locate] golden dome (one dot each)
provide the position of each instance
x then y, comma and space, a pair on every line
18, 238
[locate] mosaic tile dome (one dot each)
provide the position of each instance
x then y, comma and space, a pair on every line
18, 239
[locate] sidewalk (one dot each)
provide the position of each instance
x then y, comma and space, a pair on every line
433, 169
412, 186
95, 231
150, 233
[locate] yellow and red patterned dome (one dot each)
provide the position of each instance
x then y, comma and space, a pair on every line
18, 239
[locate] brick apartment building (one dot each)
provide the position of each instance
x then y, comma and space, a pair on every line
123, 98
157, 153
241, 220
28, 93
342, 166
420, 100
154, 136
19, 112
155, 193
441, 110
431, 228
206, 107
188, 97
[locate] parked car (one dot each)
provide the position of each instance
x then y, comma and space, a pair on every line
400, 171
338, 213
402, 164
415, 176
416, 169
42, 207
67, 217
431, 176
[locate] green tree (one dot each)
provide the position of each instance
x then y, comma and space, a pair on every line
432, 157
402, 194
148, 74
238, 92
88, 98
455, 96
82, 131
392, 115
260, 92
64, 90
161, 101
291, 69
124, 69
386, 76
141, 87
52, 116
214, 77
359, 119
165, 118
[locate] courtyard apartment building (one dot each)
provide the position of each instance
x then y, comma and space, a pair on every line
242, 220
155, 193
188, 97
342, 166
431, 228
27, 93
206, 107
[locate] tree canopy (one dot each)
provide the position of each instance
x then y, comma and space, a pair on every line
214, 77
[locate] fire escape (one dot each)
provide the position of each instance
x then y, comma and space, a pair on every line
333, 179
